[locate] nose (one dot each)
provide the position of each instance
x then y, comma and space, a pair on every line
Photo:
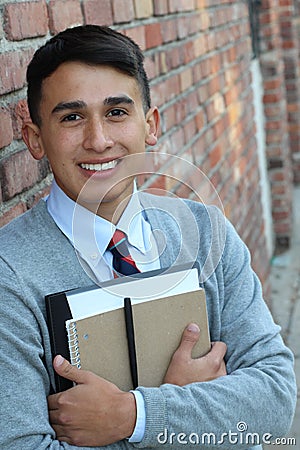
97, 137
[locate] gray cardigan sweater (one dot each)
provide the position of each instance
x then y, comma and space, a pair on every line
37, 259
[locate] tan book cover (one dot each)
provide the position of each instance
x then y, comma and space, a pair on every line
99, 343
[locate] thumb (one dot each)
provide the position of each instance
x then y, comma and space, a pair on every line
67, 370
189, 338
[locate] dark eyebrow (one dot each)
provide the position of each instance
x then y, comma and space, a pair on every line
79, 104
112, 101
76, 104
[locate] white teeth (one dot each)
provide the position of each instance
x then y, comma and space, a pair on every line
99, 167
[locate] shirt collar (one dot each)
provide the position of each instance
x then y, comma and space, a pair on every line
93, 238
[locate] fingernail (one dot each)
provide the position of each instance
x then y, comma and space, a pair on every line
59, 360
193, 328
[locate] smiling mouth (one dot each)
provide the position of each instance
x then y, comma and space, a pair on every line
99, 167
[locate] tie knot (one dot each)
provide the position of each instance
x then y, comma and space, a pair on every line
122, 260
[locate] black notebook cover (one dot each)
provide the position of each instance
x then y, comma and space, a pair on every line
58, 312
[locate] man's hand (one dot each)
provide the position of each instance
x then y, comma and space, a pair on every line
183, 369
93, 413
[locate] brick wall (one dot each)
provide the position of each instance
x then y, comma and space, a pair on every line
280, 68
296, 25
198, 57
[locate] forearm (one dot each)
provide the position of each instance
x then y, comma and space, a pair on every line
259, 390
247, 395
25, 378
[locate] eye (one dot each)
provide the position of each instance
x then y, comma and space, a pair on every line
71, 117
116, 113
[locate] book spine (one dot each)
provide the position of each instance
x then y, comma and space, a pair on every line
73, 344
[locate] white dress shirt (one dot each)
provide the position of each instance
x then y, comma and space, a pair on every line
90, 242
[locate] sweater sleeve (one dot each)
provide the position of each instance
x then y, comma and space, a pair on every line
256, 400
24, 377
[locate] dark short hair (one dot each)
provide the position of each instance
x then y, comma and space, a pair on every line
89, 44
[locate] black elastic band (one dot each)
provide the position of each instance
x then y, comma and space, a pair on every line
131, 341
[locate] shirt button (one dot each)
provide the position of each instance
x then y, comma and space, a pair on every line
94, 256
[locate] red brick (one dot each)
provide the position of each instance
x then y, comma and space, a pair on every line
184, 190
181, 168
200, 45
168, 119
201, 4
6, 130
163, 66
63, 14
177, 141
150, 68
200, 120
186, 79
13, 67
143, 8
221, 126
273, 137
161, 7
194, 23
20, 113
179, 5
98, 12
174, 58
281, 215
138, 35
273, 125
189, 52
13, 212
123, 10
169, 30
158, 186
189, 130
272, 84
18, 172
282, 229
171, 87
180, 110
26, 19
286, 3
183, 27
272, 110
153, 35
158, 94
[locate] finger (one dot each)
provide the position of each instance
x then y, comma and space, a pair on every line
67, 370
218, 350
61, 434
54, 416
189, 338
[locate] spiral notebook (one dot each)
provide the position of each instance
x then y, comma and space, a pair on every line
90, 326
100, 343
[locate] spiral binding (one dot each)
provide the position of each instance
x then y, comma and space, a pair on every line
73, 345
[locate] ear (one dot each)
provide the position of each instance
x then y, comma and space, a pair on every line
31, 137
153, 121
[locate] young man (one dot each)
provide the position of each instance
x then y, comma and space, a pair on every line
89, 102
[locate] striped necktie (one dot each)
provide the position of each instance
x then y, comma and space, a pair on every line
122, 260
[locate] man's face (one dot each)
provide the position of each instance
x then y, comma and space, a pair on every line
92, 117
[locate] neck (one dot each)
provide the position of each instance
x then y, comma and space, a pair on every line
111, 210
